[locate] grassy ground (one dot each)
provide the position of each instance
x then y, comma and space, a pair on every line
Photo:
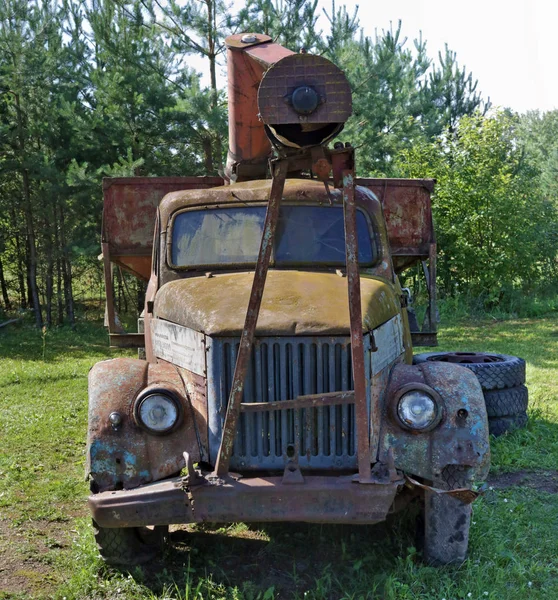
46, 544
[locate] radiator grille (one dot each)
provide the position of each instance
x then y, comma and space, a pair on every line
282, 369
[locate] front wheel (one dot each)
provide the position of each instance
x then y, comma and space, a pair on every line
446, 529
130, 546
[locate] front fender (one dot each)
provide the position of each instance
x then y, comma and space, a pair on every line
456, 451
128, 456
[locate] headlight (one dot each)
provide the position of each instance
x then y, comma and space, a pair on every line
157, 411
418, 409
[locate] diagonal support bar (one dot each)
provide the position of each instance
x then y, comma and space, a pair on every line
279, 170
355, 313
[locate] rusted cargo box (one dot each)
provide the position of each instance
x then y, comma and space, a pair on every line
129, 208
130, 205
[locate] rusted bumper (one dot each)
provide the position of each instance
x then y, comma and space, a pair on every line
317, 500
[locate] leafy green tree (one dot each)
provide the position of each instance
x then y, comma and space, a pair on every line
29, 42
494, 228
538, 134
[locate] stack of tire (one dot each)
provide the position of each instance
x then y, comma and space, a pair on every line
502, 379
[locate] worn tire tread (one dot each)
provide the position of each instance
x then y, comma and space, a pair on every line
506, 403
500, 426
492, 376
127, 546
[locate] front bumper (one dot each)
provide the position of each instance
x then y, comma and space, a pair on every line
318, 499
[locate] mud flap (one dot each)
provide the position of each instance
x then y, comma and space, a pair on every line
446, 528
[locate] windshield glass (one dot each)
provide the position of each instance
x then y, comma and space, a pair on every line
232, 235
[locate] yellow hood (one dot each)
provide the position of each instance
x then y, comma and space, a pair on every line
294, 303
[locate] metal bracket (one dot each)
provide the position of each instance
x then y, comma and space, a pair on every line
464, 494
355, 313
192, 477
292, 473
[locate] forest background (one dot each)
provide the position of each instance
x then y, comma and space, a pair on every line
97, 88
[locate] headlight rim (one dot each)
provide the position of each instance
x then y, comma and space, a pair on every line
427, 390
152, 391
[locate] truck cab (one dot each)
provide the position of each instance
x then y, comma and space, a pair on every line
305, 431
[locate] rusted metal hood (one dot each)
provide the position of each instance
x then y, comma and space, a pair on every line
294, 303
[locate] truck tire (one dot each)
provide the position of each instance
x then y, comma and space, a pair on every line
506, 403
501, 425
494, 371
130, 546
445, 539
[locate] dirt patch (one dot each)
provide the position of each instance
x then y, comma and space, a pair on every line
542, 481
26, 554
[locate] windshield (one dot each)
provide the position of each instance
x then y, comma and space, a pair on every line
232, 235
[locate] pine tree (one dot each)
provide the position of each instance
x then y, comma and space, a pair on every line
291, 23
449, 93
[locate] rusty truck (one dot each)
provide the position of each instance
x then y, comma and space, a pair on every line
278, 381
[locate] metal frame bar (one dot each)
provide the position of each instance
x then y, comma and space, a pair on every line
355, 313
309, 401
279, 171
429, 325
109, 291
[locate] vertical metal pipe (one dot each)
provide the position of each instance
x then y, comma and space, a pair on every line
432, 288
248, 142
107, 265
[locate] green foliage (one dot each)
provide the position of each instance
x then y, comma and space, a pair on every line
495, 230
400, 97
448, 93
105, 88
291, 23
538, 134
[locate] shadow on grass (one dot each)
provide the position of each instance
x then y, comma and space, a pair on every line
287, 557
22, 341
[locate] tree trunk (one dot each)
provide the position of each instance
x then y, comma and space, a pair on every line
49, 286
59, 298
5, 295
30, 230
20, 269
208, 154
29, 293
66, 272
50, 250
212, 56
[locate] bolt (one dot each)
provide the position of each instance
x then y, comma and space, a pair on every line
115, 419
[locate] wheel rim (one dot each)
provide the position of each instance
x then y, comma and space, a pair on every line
467, 358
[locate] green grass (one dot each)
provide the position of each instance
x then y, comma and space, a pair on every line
46, 543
